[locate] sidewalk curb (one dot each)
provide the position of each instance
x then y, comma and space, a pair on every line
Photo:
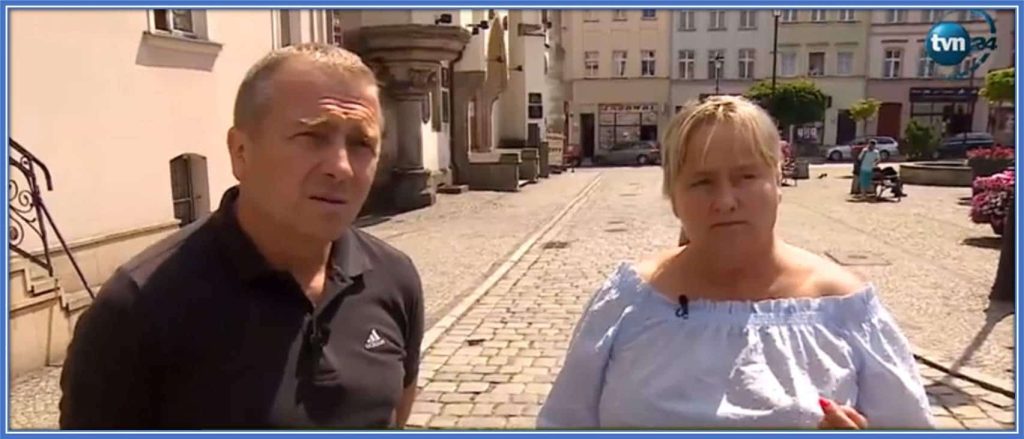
444, 323
972, 375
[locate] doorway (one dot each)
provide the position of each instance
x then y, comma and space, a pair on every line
587, 134
889, 120
846, 128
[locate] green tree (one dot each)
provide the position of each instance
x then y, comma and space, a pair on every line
793, 103
998, 89
920, 140
864, 110
999, 86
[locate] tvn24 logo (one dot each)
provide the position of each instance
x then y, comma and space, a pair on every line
949, 44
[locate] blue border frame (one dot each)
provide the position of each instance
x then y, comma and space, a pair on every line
471, 4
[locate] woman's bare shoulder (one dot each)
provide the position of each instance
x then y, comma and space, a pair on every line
825, 277
651, 264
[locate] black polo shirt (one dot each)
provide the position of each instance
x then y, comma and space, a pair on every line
198, 332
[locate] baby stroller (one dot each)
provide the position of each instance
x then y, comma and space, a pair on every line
887, 180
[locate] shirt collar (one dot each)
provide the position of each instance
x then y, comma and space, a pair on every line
348, 257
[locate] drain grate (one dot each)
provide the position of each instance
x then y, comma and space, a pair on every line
554, 245
857, 258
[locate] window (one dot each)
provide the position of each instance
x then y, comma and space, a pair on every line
818, 15
625, 125
619, 63
964, 67
686, 21
446, 83
619, 15
816, 64
647, 63
590, 16
847, 14
789, 15
925, 65
285, 17
892, 64
895, 16
649, 14
844, 63
788, 64
535, 109
337, 34
716, 60
746, 63
717, 20
590, 64
932, 15
687, 58
748, 19
176, 21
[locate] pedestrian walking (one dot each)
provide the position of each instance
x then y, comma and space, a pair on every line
738, 329
274, 311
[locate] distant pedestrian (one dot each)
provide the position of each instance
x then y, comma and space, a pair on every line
868, 159
738, 329
273, 312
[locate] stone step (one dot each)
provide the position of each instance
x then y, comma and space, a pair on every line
43, 285
454, 189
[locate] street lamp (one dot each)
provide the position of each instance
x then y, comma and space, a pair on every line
970, 96
719, 59
775, 49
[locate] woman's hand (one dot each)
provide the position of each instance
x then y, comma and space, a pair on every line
840, 417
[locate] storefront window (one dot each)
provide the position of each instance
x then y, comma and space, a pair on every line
621, 123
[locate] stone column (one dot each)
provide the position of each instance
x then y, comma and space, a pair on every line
409, 83
407, 59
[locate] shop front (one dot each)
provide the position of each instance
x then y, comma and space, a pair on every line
625, 123
948, 110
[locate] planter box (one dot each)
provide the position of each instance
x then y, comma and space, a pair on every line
988, 167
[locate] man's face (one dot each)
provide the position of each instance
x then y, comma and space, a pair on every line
308, 163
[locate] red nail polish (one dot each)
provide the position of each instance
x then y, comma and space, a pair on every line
824, 403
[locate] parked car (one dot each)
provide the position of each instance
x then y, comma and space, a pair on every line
957, 145
641, 152
887, 147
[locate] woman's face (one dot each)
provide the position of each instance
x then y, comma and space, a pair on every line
726, 195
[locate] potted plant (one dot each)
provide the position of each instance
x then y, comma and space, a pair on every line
993, 199
989, 161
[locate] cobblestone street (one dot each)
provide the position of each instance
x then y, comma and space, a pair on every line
494, 365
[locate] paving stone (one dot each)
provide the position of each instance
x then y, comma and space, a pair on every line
460, 409
982, 424
443, 422
441, 386
456, 397
522, 423
966, 412
418, 420
483, 409
473, 387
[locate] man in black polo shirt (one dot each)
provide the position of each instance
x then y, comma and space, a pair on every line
274, 312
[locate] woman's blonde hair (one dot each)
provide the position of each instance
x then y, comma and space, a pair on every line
750, 120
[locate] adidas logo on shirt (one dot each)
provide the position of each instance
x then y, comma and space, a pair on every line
374, 340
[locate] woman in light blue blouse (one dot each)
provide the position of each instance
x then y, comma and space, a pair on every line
736, 329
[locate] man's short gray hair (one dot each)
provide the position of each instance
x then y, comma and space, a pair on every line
254, 92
